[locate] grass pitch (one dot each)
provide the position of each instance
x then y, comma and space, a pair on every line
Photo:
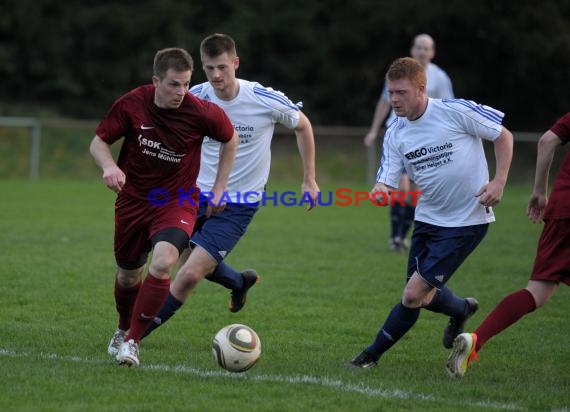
328, 282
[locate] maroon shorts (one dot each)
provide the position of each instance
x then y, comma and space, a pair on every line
137, 221
552, 262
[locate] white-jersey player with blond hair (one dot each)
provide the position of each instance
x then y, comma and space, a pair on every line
439, 144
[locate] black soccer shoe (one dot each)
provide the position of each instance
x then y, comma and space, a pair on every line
455, 326
365, 360
239, 297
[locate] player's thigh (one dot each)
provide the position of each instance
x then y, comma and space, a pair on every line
131, 242
220, 233
439, 251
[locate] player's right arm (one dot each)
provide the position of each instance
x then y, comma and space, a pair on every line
113, 176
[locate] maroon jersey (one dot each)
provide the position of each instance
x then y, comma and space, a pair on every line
558, 206
162, 146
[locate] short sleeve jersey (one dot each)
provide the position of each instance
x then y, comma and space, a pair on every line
558, 206
254, 113
442, 151
161, 147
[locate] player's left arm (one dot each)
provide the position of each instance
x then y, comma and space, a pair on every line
228, 152
545, 153
492, 192
306, 145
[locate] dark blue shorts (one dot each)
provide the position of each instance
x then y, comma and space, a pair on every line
219, 233
436, 252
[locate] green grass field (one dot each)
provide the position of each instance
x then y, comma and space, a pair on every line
328, 282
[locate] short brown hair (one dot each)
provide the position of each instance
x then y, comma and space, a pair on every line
217, 44
407, 68
172, 58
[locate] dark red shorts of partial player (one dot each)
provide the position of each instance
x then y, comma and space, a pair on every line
136, 221
552, 260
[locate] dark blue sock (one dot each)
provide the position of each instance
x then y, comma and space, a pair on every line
226, 276
396, 220
407, 219
447, 303
166, 312
399, 321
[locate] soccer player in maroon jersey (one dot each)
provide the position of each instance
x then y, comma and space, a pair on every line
552, 261
155, 180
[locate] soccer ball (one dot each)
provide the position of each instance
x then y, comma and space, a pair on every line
236, 347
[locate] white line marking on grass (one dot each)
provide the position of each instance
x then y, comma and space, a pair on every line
294, 380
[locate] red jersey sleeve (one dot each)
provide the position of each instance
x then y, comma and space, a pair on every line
217, 125
562, 128
116, 123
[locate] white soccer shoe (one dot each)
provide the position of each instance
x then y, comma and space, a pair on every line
115, 343
129, 354
462, 355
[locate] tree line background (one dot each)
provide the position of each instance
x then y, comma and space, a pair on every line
73, 58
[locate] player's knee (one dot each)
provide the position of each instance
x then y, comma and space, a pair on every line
187, 278
411, 299
162, 266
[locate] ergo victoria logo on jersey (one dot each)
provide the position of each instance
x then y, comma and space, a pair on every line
341, 197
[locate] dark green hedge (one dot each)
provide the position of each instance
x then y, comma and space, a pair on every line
73, 58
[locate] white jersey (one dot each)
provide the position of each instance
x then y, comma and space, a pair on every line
253, 112
438, 87
442, 152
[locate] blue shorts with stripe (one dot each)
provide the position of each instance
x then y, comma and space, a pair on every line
219, 233
437, 252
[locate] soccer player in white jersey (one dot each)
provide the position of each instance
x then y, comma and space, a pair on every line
439, 144
439, 87
254, 111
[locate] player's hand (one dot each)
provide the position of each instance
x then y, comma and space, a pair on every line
215, 205
311, 189
379, 193
536, 205
369, 139
114, 178
490, 194
213, 208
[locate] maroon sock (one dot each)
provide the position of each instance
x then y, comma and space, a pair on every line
508, 311
151, 297
124, 301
